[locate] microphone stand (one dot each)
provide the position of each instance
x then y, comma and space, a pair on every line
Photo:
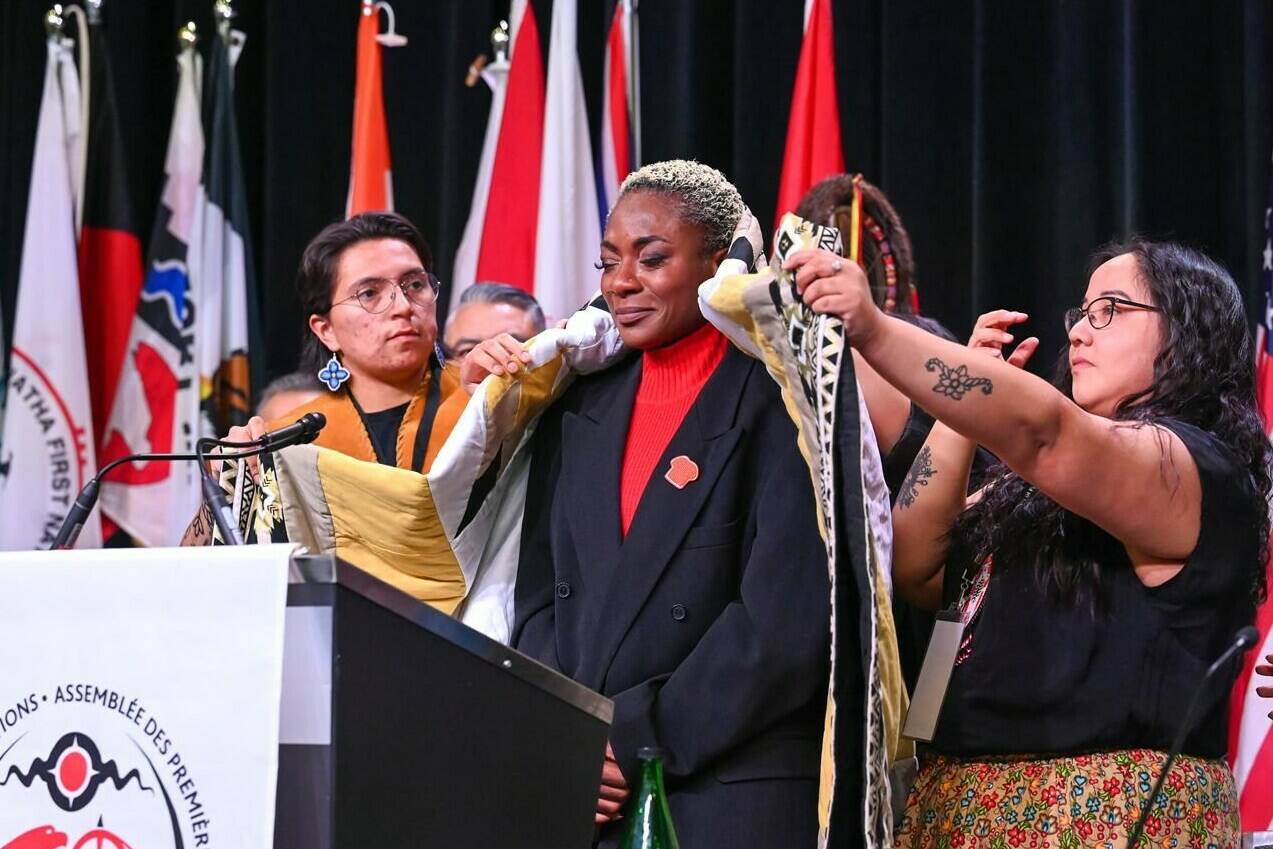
214, 495
303, 430
87, 498
69, 532
1242, 641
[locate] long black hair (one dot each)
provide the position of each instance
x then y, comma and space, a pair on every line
1204, 375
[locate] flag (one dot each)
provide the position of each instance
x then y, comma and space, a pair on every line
499, 238
813, 149
110, 257
156, 407
569, 226
370, 178
220, 255
535, 221
46, 448
618, 147
1250, 731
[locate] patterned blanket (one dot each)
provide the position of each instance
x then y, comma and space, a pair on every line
809, 358
452, 537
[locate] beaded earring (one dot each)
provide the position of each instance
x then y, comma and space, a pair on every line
334, 374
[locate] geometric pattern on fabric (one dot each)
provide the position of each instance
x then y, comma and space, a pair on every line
806, 355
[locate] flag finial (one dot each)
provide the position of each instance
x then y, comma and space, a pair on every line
499, 42
188, 36
223, 12
53, 20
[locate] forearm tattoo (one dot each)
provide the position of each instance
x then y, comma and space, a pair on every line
955, 383
921, 471
199, 531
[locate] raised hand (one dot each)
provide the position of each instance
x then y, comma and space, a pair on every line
501, 355
990, 334
833, 285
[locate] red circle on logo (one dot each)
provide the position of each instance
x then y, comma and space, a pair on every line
72, 771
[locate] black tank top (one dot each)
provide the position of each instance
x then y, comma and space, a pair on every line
1045, 678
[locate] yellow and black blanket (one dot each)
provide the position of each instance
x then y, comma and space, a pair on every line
452, 536
810, 359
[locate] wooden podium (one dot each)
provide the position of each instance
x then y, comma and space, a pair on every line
402, 727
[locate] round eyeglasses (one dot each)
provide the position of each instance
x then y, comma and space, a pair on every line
1100, 312
376, 294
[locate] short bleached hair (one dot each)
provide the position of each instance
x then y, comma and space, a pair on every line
707, 199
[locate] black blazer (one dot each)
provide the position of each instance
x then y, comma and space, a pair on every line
709, 624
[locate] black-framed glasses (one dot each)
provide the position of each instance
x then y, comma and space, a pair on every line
376, 294
1100, 312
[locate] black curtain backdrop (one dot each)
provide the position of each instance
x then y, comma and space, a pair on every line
1014, 138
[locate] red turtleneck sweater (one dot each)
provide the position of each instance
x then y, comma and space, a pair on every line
671, 378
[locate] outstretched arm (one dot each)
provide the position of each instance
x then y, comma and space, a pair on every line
1138, 482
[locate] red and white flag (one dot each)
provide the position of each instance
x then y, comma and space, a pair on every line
46, 447
110, 254
814, 150
1250, 729
370, 176
569, 230
618, 140
499, 237
535, 220
156, 406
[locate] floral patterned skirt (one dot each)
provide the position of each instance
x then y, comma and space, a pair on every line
1067, 803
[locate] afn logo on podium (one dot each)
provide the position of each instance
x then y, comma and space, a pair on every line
85, 767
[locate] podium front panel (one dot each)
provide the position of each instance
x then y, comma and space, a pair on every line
439, 736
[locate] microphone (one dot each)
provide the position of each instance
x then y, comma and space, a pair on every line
1242, 641
301, 431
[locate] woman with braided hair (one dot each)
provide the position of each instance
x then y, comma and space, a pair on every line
860, 210
887, 257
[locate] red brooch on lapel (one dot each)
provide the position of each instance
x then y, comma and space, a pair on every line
681, 472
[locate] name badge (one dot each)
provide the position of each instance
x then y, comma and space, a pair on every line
934, 675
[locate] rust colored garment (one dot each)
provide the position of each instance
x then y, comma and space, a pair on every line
347, 433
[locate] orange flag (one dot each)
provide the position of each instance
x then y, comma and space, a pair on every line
370, 178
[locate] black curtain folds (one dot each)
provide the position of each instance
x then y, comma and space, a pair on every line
1013, 138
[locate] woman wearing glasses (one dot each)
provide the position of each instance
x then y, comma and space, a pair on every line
1110, 558
367, 289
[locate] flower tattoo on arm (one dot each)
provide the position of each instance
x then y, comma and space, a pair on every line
955, 383
921, 470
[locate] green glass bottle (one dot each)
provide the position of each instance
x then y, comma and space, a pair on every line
649, 819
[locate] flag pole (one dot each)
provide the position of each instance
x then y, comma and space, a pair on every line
187, 36
634, 77
224, 14
80, 153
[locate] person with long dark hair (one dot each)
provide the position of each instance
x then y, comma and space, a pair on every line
1108, 560
846, 201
